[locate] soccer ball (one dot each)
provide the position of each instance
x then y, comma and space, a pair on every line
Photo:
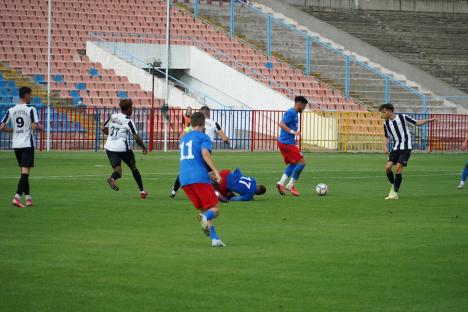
321, 189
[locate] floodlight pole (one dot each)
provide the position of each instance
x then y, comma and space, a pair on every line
49, 48
166, 97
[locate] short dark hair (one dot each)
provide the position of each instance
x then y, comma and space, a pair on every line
197, 120
125, 104
205, 110
23, 91
261, 189
388, 106
300, 99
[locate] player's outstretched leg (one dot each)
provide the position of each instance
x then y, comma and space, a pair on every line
114, 177
294, 177
29, 202
464, 175
175, 188
286, 174
139, 181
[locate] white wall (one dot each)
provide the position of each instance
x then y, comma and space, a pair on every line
177, 98
205, 74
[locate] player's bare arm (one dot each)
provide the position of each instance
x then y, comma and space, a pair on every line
140, 143
465, 143
223, 136
207, 157
37, 126
385, 148
283, 126
104, 129
425, 121
5, 128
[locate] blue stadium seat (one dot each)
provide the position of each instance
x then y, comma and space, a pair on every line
11, 84
39, 79
4, 92
5, 100
122, 94
3, 84
75, 93
93, 72
81, 86
14, 92
58, 78
36, 101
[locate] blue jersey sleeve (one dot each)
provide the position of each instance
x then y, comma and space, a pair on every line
288, 117
206, 143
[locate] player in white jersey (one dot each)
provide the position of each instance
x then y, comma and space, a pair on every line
24, 120
118, 128
396, 128
212, 129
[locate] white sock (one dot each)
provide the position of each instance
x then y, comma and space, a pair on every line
283, 179
462, 182
17, 196
28, 197
291, 183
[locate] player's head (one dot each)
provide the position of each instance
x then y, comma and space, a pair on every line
25, 94
260, 190
126, 106
300, 103
197, 121
386, 110
205, 110
188, 111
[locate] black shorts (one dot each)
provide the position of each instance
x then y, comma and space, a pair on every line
116, 158
25, 157
400, 157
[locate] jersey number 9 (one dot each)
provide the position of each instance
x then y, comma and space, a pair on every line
20, 122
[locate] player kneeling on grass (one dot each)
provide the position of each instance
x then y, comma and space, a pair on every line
237, 187
195, 152
24, 120
118, 127
396, 128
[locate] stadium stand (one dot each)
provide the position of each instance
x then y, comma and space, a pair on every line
434, 42
365, 86
24, 25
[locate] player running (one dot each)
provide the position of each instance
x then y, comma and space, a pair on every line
118, 128
292, 155
235, 186
24, 120
396, 128
464, 174
195, 154
212, 129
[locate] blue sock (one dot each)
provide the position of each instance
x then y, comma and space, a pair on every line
465, 173
213, 234
209, 215
297, 171
289, 169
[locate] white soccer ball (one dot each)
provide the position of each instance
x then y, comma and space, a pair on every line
321, 189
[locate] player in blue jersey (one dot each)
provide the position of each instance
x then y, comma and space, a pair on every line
235, 186
293, 158
195, 153
464, 174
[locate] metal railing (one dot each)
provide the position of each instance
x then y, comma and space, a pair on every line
75, 128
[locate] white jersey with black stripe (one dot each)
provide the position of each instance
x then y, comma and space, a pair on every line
120, 127
397, 130
22, 117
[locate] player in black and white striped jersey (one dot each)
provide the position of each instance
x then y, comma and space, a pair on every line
397, 131
24, 120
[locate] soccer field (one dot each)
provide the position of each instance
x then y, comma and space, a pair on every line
84, 247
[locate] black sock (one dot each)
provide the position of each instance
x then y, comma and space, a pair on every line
115, 175
398, 180
176, 186
390, 177
26, 184
20, 188
137, 177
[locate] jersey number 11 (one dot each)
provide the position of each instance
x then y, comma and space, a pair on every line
189, 154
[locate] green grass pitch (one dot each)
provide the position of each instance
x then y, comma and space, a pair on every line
84, 247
